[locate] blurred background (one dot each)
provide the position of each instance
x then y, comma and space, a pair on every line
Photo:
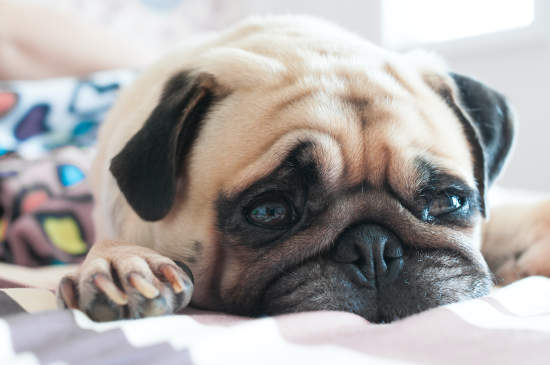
504, 43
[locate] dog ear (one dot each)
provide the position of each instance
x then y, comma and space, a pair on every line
147, 168
489, 126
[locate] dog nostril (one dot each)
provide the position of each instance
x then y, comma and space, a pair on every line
393, 250
393, 269
346, 254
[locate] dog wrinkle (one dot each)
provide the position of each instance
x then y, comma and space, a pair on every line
399, 76
326, 153
292, 99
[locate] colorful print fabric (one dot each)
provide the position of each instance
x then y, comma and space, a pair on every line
38, 116
45, 207
47, 130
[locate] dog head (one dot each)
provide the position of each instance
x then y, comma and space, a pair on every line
294, 166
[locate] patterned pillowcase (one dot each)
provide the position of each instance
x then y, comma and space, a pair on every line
45, 208
47, 128
37, 116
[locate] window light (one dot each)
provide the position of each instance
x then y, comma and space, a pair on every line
412, 22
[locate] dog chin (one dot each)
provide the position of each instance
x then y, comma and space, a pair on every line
429, 278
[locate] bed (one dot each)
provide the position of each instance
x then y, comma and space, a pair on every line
509, 326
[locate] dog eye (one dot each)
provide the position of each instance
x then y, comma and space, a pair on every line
444, 204
272, 214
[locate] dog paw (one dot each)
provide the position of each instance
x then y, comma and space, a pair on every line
127, 282
535, 260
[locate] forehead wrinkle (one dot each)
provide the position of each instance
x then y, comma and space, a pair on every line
291, 100
297, 91
429, 172
398, 179
373, 82
413, 170
371, 156
409, 129
324, 111
450, 166
396, 75
327, 154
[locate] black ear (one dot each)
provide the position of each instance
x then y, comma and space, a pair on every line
489, 126
491, 116
148, 166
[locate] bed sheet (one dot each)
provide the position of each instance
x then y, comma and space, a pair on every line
509, 326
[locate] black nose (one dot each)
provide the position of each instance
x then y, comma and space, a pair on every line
374, 254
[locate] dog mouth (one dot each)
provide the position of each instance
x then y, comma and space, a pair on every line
429, 278
320, 285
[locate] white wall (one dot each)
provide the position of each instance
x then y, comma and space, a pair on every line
519, 69
359, 16
523, 75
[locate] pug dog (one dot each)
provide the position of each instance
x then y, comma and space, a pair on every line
288, 165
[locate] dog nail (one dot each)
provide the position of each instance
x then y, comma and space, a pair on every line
172, 276
186, 269
143, 286
68, 293
103, 283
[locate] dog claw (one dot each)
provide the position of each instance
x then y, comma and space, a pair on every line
173, 278
68, 293
127, 285
143, 286
103, 283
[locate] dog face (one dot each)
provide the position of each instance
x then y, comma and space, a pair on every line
294, 166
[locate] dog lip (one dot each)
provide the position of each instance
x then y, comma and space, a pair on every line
357, 276
271, 285
273, 293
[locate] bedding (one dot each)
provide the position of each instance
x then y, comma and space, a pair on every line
41, 115
510, 326
45, 208
47, 131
